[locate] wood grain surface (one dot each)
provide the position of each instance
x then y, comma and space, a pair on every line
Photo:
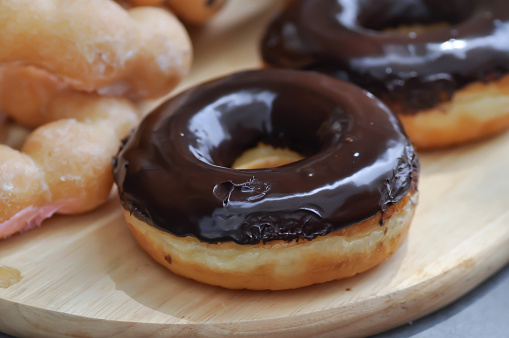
85, 275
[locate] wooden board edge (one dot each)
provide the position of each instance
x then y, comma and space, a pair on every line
386, 312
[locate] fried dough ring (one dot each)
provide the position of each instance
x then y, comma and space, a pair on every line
475, 112
64, 166
97, 45
26, 94
438, 65
338, 255
272, 218
33, 97
280, 265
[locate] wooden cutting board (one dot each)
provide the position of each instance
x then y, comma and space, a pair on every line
85, 275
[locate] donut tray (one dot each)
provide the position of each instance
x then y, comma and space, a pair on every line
86, 276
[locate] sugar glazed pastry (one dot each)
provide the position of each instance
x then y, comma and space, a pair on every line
97, 45
70, 71
442, 66
341, 206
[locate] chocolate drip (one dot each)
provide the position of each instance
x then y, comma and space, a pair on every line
409, 71
174, 174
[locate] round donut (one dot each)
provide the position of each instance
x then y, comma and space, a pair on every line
26, 93
442, 66
341, 210
97, 45
64, 166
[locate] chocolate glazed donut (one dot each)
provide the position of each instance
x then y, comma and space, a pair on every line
174, 172
411, 70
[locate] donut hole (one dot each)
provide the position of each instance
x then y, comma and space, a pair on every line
228, 127
265, 156
413, 15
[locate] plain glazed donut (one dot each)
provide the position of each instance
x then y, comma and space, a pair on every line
26, 93
306, 222
96, 45
33, 97
442, 66
64, 166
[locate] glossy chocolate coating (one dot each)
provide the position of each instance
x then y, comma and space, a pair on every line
408, 71
174, 172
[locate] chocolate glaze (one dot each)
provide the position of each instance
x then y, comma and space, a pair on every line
407, 71
174, 174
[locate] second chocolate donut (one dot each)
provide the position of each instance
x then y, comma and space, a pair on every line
441, 65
